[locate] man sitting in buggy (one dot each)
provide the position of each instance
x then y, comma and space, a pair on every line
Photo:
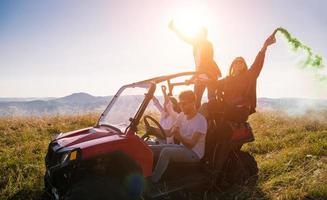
189, 129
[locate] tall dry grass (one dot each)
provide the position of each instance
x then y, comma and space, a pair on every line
23, 144
291, 152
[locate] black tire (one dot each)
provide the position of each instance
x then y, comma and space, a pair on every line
240, 169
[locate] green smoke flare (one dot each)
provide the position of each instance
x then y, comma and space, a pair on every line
312, 61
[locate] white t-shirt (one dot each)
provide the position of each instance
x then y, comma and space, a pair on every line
188, 127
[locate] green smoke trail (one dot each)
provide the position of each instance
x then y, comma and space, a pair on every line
312, 61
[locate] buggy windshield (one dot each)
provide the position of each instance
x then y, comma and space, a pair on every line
124, 106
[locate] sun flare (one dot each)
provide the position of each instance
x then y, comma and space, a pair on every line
190, 20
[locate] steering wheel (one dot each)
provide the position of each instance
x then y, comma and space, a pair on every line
158, 131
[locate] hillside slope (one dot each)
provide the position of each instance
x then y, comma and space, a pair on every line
292, 157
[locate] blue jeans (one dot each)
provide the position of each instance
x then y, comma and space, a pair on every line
171, 152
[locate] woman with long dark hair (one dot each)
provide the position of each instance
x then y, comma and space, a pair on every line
238, 89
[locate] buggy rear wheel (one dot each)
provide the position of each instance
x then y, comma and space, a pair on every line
240, 169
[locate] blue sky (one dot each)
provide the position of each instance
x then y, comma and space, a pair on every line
55, 48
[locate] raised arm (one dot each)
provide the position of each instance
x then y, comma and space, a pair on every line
259, 60
180, 34
164, 93
157, 104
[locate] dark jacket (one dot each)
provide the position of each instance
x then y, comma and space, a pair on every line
241, 90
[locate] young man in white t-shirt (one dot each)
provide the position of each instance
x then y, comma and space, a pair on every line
190, 129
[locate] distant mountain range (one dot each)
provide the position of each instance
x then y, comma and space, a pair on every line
80, 103
77, 103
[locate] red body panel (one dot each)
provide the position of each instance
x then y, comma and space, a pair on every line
97, 141
83, 135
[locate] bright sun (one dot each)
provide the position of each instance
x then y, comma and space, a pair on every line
190, 20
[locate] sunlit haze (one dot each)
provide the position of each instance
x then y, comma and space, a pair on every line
55, 48
190, 19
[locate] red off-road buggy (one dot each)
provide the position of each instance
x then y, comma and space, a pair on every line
112, 160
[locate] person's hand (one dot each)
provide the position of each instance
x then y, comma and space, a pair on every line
173, 130
164, 89
171, 25
270, 40
177, 135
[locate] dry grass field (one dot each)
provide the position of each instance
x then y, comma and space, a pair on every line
291, 152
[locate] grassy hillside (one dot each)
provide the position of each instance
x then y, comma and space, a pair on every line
292, 157
23, 144
291, 154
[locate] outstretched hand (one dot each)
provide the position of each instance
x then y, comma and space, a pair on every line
171, 25
270, 40
176, 133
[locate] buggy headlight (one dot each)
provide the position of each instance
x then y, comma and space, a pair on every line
69, 156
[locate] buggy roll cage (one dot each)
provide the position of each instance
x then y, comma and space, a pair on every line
168, 78
151, 84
